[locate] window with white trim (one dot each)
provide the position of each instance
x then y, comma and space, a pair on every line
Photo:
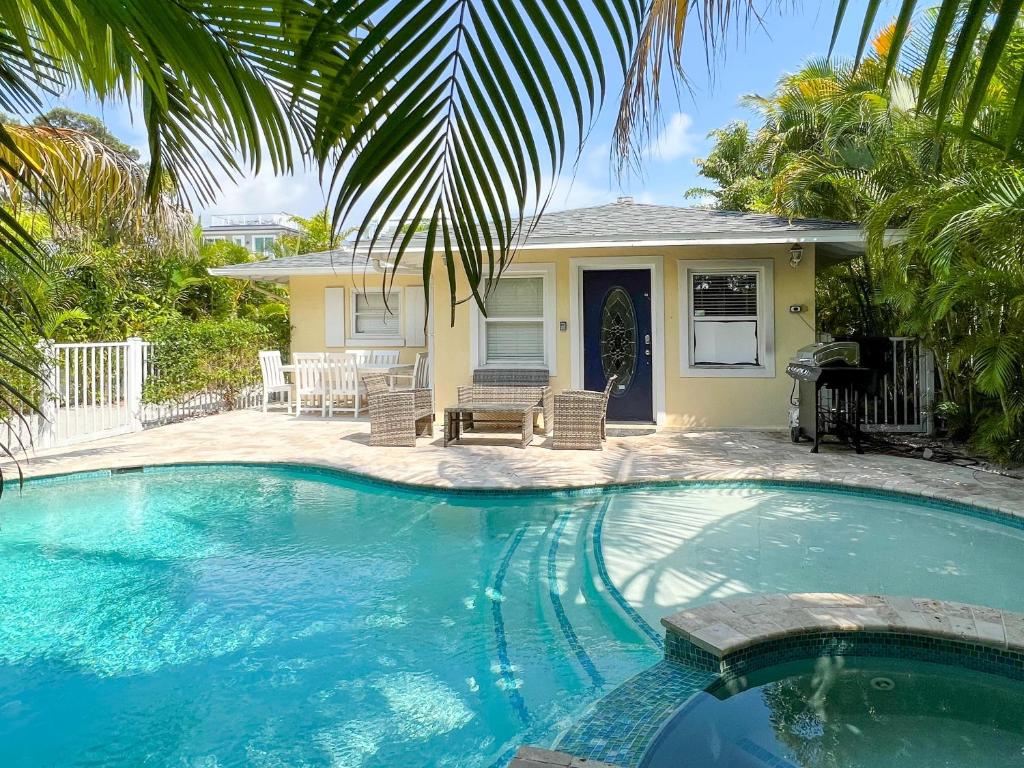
263, 243
375, 318
514, 329
727, 318
518, 328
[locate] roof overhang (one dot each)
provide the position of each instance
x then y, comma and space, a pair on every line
831, 246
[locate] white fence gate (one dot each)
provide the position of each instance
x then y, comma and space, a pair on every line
904, 400
94, 390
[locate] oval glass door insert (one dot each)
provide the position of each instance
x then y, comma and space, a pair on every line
618, 339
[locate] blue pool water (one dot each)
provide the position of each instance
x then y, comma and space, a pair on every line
850, 713
258, 616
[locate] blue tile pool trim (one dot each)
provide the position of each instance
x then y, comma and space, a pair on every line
948, 505
621, 727
556, 603
890, 645
649, 632
504, 662
618, 728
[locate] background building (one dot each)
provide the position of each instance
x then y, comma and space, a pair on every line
256, 231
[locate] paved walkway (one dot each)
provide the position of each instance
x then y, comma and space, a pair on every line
631, 455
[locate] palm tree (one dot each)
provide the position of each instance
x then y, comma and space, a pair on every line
845, 139
445, 114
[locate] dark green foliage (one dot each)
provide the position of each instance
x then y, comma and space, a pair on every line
198, 356
739, 170
849, 142
60, 117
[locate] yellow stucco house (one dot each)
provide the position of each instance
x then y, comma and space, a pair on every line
697, 311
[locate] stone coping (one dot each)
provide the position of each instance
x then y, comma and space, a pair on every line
631, 456
728, 626
533, 757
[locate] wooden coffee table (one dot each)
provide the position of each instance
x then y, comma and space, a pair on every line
488, 413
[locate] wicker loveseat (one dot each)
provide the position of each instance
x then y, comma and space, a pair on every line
513, 385
581, 418
397, 418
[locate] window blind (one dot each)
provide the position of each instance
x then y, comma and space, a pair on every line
725, 319
516, 297
509, 341
721, 294
373, 318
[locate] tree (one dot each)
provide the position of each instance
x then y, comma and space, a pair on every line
738, 169
846, 140
315, 235
60, 117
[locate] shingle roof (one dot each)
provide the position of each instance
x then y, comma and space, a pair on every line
625, 220
341, 260
618, 222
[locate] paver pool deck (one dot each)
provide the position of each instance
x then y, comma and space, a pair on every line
631, 455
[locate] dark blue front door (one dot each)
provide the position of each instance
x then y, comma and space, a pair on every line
617, 340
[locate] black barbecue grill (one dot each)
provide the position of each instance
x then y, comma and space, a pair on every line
832, 386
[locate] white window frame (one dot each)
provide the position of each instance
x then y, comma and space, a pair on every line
210, 239
395, 305
272, 238
478, 335
765, 271
238, 240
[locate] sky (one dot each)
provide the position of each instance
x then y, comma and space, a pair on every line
750, 63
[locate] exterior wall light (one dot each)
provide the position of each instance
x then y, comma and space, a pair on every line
796, 255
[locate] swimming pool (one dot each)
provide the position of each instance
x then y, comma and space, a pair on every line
240, 615
849, 712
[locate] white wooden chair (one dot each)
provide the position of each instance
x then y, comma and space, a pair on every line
362, 356
309, 379
384, 357
418, 378
273, 378
342, 383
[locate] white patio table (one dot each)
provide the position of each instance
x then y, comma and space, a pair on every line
404, 369
373, 367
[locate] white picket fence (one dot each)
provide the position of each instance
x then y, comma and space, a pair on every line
94, 390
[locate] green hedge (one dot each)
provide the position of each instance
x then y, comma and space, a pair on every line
191, 357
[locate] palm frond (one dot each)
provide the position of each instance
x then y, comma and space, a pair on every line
965, 45
223, 86
80, 182
469, 131
662, 35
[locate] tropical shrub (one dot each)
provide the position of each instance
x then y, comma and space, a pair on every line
862, 142
195, 357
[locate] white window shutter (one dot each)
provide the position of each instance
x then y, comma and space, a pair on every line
334, 317
415, 309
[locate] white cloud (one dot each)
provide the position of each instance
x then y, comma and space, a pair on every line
675, 140
266, 193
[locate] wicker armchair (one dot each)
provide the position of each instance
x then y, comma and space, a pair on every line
397, 417
581, 418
